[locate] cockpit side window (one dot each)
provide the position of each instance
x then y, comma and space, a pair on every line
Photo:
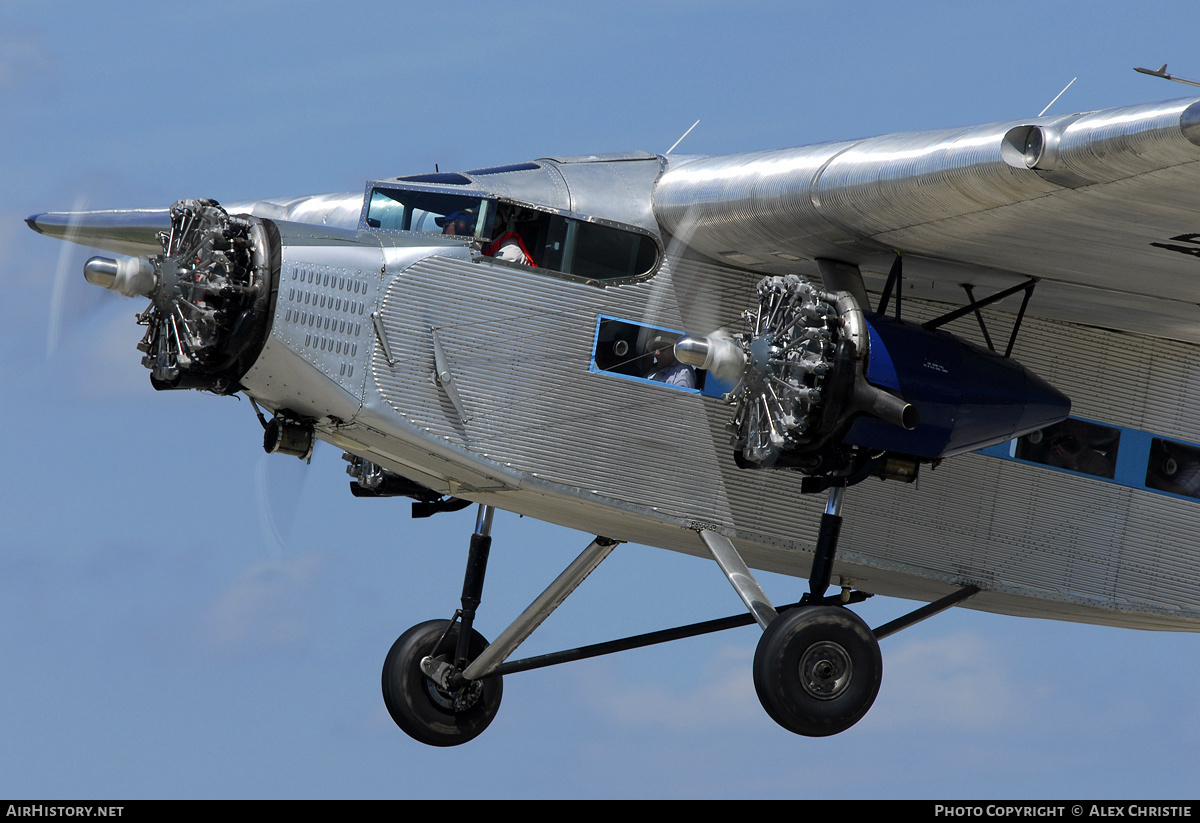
596, 251
430, 213
606, 252
586, 249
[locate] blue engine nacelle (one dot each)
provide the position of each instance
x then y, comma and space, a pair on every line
967, 397
823, 388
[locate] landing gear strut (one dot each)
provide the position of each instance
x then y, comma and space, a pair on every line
442, 680
423, 684
817, 667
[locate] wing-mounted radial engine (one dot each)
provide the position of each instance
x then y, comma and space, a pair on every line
210, 293
827, 390
823, 388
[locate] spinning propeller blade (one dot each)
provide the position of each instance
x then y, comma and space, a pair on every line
129, 231
278, 485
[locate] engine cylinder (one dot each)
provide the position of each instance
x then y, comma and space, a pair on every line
212, 297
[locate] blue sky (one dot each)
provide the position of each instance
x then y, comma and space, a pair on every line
159, 639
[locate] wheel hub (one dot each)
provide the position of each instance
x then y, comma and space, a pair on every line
825, 670
453, 700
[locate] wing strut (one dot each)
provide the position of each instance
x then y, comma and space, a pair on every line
976, 305
895, 280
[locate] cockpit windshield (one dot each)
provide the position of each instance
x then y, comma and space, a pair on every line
430, 212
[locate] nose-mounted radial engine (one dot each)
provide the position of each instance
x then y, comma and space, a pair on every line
211, 296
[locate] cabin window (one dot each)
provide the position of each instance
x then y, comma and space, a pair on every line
1146, 461
1173, 467
1074, 445
645, 354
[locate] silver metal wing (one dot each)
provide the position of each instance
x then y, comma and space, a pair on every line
1103, 207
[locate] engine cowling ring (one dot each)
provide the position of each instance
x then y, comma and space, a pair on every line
212, 305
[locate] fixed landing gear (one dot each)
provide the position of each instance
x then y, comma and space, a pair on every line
817, 670
423, 684
442, 680
433, 713
817, 667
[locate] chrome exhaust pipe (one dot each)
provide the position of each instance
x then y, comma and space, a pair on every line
130, 276
887, 407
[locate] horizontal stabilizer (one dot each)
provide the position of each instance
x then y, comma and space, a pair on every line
1162, 72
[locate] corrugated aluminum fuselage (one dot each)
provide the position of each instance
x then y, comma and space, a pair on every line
536, 430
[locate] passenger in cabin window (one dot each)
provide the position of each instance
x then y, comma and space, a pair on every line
665, 368
1070, 449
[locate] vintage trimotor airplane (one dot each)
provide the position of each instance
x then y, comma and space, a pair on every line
694, 352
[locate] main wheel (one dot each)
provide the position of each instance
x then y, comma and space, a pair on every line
422, 709
817, 670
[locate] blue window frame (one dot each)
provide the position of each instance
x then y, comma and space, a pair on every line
1120, 455
626, 349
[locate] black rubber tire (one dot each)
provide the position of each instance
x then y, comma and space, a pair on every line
422, 710
817, 670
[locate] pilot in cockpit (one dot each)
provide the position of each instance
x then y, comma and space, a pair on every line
459, 223
507, 244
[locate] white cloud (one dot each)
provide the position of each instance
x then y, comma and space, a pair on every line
955, 682
270, 605
724, 695
20, 59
